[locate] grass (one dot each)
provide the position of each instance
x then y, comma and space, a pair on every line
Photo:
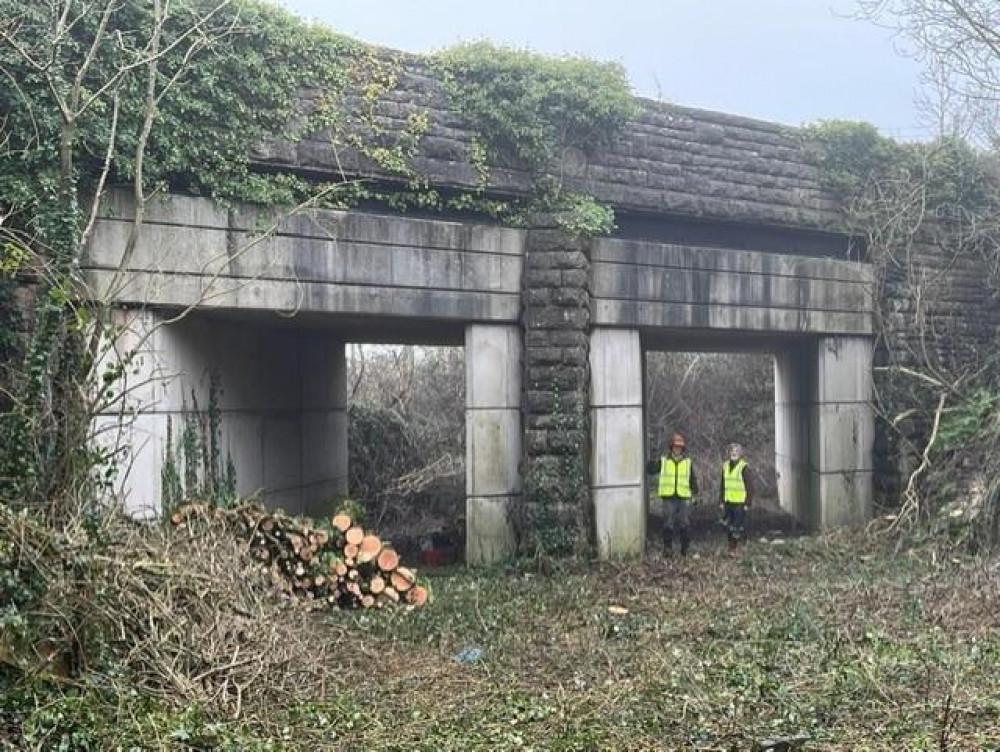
856, 647
849, 642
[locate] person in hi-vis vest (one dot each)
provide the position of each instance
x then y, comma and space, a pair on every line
676, 486
735, 495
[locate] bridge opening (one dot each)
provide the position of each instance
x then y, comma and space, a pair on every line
823, 425
406, 442
715, 399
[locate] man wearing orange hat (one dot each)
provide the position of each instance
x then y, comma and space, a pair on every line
677, 486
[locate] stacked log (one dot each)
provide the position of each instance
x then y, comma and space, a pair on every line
337, 565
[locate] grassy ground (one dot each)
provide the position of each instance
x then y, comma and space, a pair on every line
855, 647
843, 640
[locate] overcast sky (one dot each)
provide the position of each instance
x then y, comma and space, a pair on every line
792, 61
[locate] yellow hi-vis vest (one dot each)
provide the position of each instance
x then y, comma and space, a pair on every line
735, 490
675, 477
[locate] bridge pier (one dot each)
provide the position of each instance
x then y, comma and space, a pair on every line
824, 431
493, 440
616, 427
845, 423
282, 403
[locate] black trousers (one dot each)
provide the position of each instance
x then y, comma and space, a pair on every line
735, 516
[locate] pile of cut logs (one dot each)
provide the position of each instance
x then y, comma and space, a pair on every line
336, 565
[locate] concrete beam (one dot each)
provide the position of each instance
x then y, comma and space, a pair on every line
647, 285
189, 252
493, 440
616, 426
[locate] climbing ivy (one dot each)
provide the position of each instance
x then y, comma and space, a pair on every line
851, 154
855, 159
217, 100
82, 96
531, 107
924, 209
82, 91
528, 109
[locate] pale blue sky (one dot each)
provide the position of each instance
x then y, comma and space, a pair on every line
792, 61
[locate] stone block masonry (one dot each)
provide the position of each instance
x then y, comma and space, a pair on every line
556, 512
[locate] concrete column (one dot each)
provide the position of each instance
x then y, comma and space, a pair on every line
845, 429
825, 431
794, 380
616, 429
324, 421
493, 440
132, 427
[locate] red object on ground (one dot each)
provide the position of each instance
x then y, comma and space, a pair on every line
438, 557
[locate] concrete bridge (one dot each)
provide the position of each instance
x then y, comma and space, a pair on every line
271, 313
726, 240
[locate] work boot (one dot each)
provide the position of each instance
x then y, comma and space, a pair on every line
668, 541
685, 542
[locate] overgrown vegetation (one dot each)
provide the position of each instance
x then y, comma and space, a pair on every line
846, 643
174, 96
407, 439
550, 106
123, 635
923, 211
192, 467
156, 95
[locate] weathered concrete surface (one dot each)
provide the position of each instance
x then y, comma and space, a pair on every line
493, 440
617, 456
282, 405
346, 263
845, 422
582, 307
825, 431
356, 264
659, 285
794, 450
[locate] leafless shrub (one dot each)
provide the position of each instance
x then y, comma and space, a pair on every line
407, 433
